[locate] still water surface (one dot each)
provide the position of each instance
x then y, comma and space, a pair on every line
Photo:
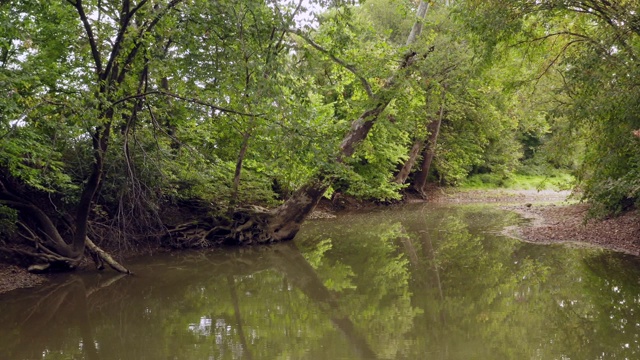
417, 282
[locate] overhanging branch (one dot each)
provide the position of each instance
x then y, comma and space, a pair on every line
187, 99
144, 30
337, 60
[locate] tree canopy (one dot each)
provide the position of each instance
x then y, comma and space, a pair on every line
126, 121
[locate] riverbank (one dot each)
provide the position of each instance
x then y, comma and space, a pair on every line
13, 277
552, 220
553, 217
569, 224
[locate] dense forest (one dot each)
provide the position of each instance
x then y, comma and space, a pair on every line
191, 123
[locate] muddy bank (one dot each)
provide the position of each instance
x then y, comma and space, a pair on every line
13, 277
16, 277
569, 223
555, 218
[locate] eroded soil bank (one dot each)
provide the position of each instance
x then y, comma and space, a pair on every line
553, 219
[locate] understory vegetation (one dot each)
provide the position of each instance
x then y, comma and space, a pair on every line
191, 123
554, 181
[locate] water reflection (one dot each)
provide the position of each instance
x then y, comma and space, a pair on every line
417, 282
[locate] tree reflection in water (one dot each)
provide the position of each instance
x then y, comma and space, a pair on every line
409, 283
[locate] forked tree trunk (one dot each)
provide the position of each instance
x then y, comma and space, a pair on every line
49, 247
420, 180
403, 174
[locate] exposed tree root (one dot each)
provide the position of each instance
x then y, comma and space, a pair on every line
247, 226
98, 253
39, 262
250, 225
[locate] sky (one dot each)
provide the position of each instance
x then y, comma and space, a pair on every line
306, 17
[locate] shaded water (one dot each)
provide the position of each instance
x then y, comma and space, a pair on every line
418, 282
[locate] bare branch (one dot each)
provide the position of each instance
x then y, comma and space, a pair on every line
172, 137
561, 33
556, 58
92, 39
33, 237
125, 19
106, 257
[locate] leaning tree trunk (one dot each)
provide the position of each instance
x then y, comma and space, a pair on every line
403, 174
286, 220
420, 180
256, 225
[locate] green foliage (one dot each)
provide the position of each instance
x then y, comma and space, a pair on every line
582, 70
372, 169
555, 181
8, 220
215, 92
26, 156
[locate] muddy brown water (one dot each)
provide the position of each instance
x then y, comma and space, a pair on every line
415, 282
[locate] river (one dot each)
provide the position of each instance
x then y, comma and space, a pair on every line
420, 281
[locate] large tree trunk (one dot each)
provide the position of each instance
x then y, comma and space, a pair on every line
49, 248
403, 174
287, 219
420, 180
254, 225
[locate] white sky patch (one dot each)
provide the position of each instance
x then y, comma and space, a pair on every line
20, 122
307, 17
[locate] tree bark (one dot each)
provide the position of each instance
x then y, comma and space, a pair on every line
104, 256
420, 180
283, 223
238, 172
360, 129
287, 219
416, 30
408, 165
